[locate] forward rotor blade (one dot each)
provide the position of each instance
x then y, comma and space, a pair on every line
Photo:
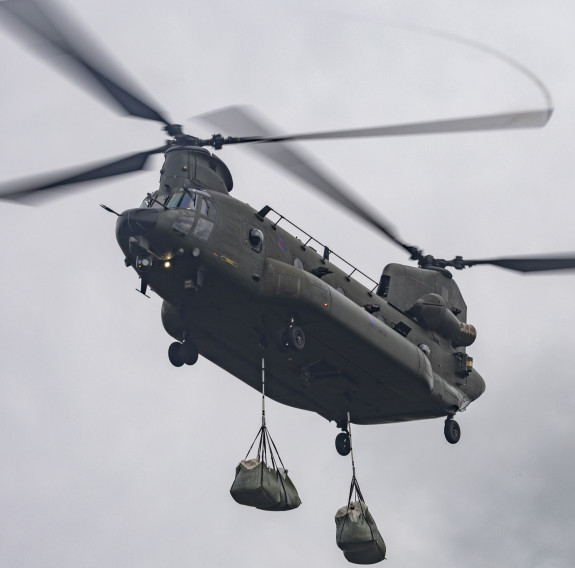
66, 37
29, 192
237, 118
514, 120
534, 264
527, 119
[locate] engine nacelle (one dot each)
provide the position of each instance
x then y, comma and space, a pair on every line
432, 312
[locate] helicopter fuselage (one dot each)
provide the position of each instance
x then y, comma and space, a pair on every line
236, 285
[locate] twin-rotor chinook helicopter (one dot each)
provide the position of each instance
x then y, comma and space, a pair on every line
238, 286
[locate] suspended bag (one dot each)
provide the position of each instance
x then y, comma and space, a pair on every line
356, 532
255, 485
289, 498
263, 487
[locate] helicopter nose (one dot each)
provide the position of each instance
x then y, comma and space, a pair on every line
136, 222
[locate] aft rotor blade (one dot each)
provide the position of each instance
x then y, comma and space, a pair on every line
534, 264
66, 37
287, 157
28, 192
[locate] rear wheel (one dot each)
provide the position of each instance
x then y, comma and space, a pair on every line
343, 444
452, 431
175, 354
189, 352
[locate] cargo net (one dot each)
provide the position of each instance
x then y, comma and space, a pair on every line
261, 483
356, 532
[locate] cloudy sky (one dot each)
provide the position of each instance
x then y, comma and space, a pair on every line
109, 456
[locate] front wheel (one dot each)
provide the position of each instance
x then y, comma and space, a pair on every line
291, 337
296, 337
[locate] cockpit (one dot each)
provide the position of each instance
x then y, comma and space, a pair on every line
184, 199
200, 211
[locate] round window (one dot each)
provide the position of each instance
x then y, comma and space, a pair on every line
256, 238
298, 263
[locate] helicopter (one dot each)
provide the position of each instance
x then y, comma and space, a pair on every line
237, 284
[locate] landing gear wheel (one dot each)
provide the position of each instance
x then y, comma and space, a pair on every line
343, 444
452, 431
175, 354
296, 337
189, 352
291, 337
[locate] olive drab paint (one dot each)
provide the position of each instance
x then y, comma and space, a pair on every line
235, 285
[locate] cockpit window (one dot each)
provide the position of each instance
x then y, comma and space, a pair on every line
183, 224
184, 200
155, 201
208, 208
150, 201
190, 200
203, 229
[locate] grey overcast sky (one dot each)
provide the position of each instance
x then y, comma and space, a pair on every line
111, 457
